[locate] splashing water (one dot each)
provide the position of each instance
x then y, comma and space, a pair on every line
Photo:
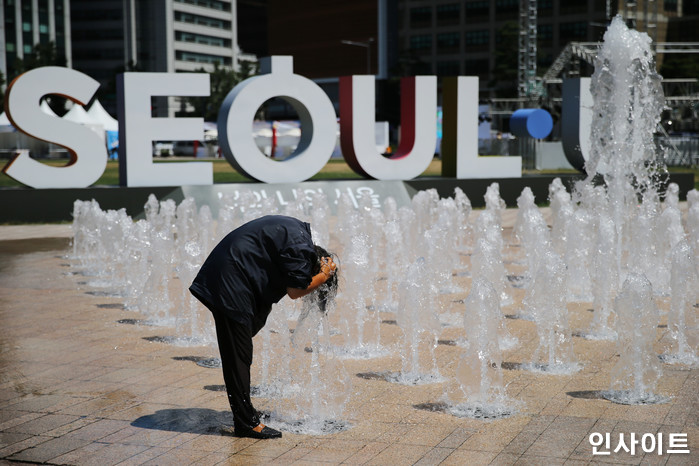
635, 375
419, 321
682, 321
477, 391
546, 302
628, 101
322, 385
604, 281
532, 232
362, 326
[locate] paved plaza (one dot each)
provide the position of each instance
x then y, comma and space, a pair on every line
79, 385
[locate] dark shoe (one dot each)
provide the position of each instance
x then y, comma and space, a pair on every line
261, 431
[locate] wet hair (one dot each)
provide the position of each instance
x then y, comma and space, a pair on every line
327, 291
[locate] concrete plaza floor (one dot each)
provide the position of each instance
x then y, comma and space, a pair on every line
79, 387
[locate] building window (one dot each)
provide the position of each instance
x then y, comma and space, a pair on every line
421, 43
202, 39
421, 16
544, 8
212, 4
448, 14
544, 60
571, 7
477, 11
544, 34
477, 67
573, 32
507, 9
448, 42
477, 38
690, 7
670, 5
202, 20
202, 58
43, 21
448, 68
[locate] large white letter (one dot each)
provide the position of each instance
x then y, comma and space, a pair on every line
576, 120
418, 135
88, 154
316, 114
460, 135
138, 129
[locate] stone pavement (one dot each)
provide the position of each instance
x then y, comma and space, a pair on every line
79, 387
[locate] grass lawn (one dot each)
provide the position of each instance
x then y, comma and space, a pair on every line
224, 173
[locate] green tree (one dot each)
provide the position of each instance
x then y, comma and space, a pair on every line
222, 80
107, 92
41, 55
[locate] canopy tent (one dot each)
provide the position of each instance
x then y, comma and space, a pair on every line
100, 115
47, 109
78, 114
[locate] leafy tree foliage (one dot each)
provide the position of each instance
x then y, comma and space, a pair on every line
41, 55
222, 81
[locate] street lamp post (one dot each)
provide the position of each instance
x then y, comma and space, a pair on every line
367, 45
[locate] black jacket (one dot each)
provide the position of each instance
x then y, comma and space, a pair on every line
251, 268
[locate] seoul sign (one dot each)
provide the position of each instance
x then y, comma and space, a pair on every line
137, 128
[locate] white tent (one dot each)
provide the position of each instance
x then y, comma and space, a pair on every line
47, 109
78, 114
100, 115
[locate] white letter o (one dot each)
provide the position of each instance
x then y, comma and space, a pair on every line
316, 115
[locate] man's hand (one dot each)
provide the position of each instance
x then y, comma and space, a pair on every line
327, 270
327, 267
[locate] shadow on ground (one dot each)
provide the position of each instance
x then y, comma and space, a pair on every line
191, 420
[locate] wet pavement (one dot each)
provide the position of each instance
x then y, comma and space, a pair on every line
81, 384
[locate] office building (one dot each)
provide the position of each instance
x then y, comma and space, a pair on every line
168, 36
447, 37
28, 23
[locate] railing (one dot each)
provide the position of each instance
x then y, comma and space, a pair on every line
680, 151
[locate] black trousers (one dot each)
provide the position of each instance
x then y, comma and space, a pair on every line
235, 346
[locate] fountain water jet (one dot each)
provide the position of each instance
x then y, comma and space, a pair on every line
628, 99
362, 326
532, 232
546, 302
681, 320
635, 375
322, 386
419, 321
604, 280
478, 391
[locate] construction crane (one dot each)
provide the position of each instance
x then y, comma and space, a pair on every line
528, 87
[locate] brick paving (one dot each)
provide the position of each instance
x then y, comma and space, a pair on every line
77, 387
